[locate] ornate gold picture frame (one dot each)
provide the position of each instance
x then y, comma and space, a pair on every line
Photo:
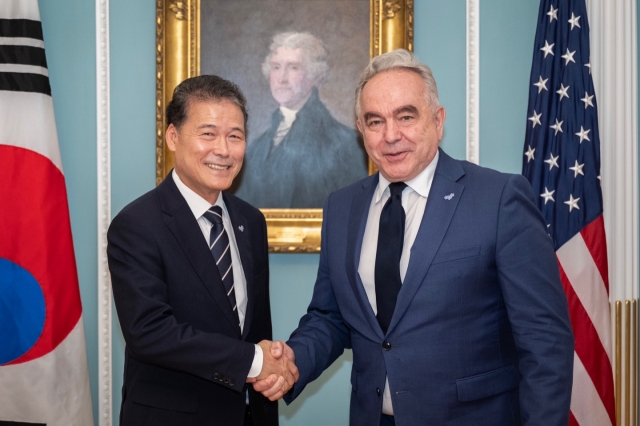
178, 58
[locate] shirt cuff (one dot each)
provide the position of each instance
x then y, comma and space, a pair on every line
256, 365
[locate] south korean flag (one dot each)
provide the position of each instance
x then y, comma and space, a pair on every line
43, 363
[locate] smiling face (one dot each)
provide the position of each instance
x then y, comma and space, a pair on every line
289, 79
401, 131
209, 146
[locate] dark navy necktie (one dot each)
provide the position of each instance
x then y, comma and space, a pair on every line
387, 268
221, 251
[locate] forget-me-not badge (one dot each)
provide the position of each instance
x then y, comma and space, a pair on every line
241, 228
449, 197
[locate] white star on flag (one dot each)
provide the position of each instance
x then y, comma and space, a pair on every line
563, 92
529, 153
577, 169
548, 196
535, 118
568, 57
587, 100
552, 161
584, 134
588, 66
541, 84
574, 21
548, 48
572, 203
557, 127
553, 14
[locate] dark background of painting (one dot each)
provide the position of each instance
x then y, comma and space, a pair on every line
235, 36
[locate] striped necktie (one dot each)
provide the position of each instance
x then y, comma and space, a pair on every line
220, 249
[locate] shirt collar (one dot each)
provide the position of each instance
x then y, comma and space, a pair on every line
196, 203
420, 184
288, 114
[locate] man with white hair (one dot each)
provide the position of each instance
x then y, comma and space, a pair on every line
306, 153
439, 274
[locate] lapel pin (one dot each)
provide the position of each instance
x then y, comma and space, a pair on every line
449, 197
241, 228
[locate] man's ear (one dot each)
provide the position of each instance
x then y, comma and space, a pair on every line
171, 137
359, 126
439, 117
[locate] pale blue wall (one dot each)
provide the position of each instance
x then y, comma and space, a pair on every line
507, 31
133, 123
69, 33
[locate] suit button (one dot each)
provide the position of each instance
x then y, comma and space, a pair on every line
216, 376
386, 346
378, 391
226, 380
232, 383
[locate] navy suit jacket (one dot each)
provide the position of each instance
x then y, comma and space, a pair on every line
186, 361
480, 334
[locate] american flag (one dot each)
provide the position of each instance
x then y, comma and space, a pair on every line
562, 162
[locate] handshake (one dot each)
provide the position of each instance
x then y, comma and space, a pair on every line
279, 373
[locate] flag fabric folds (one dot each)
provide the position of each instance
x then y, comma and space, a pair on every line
43, 363
562, 162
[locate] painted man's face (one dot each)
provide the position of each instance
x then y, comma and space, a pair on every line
289, 79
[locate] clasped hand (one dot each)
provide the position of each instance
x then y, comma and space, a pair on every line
279, 373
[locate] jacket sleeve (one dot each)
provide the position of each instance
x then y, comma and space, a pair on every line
536, 307
152, 332
321, 336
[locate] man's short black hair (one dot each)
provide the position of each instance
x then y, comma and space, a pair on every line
203, 88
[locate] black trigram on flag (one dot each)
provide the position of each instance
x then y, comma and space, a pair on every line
23, 65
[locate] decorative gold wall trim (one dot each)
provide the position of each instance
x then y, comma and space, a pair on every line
626, 361
178, 58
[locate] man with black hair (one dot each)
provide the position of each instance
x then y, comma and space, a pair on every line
190, 275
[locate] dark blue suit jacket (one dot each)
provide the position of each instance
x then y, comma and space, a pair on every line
480, 334
186, 361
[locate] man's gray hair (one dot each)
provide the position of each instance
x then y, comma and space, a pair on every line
399, 59
314, 53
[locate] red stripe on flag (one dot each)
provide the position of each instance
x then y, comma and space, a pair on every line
589, 348
572, 420
596, 241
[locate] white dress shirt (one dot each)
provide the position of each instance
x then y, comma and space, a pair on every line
414, 201
199, 206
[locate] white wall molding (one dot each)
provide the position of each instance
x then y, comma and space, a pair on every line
105, 391
473, 81
614, 58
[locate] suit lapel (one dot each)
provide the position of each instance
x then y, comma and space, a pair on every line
241, 231
357, 223
185, 229
435, 221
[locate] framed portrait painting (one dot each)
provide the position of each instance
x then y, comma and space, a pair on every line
298, 63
